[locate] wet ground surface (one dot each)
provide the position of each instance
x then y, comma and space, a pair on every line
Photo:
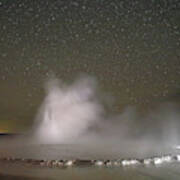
19, 171
28, 171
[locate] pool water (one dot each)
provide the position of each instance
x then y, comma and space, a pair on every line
20, 149
170, 171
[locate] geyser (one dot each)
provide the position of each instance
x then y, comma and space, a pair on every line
67, 111
73, 114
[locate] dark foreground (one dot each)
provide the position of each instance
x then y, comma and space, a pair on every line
10, 177
10, 171
24, 171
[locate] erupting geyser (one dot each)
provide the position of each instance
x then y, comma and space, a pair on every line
67, 111
72, 114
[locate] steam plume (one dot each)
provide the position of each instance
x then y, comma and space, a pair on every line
68, 111
73, 114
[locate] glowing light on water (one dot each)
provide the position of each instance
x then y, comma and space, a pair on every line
178, 157
147, 161
157, 160
177, 147
130, 162
99, 163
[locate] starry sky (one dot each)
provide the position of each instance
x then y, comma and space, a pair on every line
132, 48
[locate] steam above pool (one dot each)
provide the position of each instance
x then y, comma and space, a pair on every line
68, 111
73, 114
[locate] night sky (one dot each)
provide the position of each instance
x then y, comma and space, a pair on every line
132, 48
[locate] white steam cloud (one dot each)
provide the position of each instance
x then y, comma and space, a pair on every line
68, 111
73, 114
